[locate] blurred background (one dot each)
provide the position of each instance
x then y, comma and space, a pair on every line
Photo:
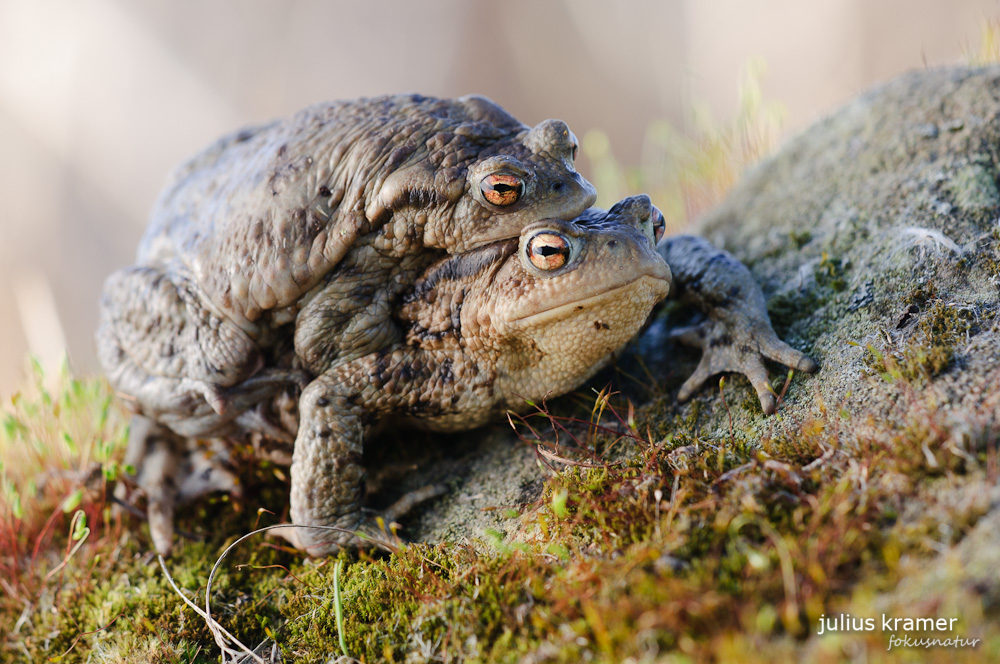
99, 99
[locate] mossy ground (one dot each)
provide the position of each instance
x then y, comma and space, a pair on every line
660, 543
703, 532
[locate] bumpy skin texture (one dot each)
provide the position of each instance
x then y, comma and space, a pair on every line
485, 331
303, 280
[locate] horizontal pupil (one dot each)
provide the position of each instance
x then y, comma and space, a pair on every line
503, 188
551, 251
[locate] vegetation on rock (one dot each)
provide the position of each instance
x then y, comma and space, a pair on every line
661, 532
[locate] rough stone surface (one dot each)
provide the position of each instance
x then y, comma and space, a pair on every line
876, 227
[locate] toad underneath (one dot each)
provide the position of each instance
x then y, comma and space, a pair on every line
423, 261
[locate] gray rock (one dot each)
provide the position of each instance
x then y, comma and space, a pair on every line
902, 255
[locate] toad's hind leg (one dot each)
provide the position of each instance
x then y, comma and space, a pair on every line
183, 364
171, 470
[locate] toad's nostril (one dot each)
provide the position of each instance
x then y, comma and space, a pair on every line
557, 186
612, 244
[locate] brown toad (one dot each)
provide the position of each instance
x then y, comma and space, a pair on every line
427, 260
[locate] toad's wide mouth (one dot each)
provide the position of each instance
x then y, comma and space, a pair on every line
642, 292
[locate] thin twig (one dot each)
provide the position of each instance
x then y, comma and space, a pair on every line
83, 634
784, 388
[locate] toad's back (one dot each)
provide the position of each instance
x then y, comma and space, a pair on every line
260, 217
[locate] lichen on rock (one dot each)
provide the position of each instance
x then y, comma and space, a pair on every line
877, 242
704, 529
873, 237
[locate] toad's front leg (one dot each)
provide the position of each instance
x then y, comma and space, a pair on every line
336, 413
327, 472
737, 334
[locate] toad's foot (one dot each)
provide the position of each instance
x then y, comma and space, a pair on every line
741, 350
182, 364
324, 540
368, 533
171, 470
737, 335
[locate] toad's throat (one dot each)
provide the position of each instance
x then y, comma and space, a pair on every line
640, 295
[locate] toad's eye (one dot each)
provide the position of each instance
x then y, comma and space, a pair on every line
548, 251
659, 225
502, 189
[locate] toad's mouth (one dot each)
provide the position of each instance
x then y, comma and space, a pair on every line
637, 296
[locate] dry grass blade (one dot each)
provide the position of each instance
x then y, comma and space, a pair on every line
569, 462
218, 631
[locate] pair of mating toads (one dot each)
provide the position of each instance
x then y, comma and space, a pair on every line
422, 261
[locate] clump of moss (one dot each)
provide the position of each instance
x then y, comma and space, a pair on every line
830, 273
643, 546
787, 308
975, 190
928, 348
989, 258
800, 238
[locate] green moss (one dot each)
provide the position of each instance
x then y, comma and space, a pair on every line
796, 308
786, 308
989, 258
927, 349
682, 545
830, 273
800, 238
